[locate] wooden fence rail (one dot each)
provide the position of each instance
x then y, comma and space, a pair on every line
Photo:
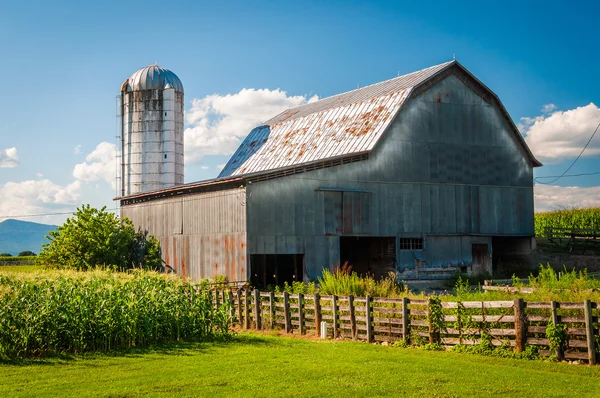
514, 323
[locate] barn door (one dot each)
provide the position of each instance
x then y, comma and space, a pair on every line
480, 258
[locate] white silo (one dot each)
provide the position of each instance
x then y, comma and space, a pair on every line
151, 131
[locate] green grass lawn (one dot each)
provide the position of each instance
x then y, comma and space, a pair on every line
264, 366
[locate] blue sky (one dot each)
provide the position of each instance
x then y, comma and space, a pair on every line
64, 61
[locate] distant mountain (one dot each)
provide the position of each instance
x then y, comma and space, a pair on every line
17, 236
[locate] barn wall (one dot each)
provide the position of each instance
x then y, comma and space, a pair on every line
449, 169
202, 235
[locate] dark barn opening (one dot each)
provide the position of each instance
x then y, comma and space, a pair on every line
276, 269
369, 255
511, 255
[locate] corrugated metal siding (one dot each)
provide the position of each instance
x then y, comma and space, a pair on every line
201, 235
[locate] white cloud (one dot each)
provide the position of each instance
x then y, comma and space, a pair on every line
39, 175
204, 167
99, 165
218, 123
562, 134
221, 166
77, 149
548, 108
9, 157
552, 197
38, 197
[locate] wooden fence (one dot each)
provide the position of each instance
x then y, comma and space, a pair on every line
510, 323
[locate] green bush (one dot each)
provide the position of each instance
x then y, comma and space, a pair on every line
26, 253
59, 312
95, 237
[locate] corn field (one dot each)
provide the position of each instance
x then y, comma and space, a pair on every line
580, 218
75, 312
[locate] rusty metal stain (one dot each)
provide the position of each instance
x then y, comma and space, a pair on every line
342, 125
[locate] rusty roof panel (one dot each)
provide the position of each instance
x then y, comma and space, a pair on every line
341, 125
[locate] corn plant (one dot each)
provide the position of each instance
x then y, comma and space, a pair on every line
77, 312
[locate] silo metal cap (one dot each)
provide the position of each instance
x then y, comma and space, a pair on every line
152, 77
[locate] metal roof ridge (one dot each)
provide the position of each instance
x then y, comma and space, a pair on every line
445, 64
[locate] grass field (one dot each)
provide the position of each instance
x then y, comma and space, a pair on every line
264, 366
21, 268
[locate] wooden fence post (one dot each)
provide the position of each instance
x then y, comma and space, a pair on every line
434, 335
589, 332
257, 320
405, 322
301, 312
231, 305
559, 350
239, 307
216, 299
352, 317
520, 325
272, 310
334, 307
317, 300
246, 309
368, 316
286, 311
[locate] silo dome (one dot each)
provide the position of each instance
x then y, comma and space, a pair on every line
152, 77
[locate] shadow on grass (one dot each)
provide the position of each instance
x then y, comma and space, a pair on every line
182, 348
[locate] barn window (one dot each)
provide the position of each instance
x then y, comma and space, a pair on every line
411, 243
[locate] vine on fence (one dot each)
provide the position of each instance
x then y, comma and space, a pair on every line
435, 318
557, 335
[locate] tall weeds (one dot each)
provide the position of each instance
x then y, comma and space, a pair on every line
343, 282
76, 312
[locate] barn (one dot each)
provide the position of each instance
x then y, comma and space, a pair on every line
422, 175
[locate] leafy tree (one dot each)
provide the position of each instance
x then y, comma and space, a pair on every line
95, 237
26, 253
5, 255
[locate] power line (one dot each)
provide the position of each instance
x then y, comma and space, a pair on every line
574, 161
573, 175
46, 214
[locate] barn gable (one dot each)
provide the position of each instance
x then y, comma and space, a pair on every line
344, 125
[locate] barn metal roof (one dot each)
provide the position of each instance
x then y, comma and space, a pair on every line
345, 124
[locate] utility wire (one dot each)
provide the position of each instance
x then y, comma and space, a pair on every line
574, 161
46, 214
573, 175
